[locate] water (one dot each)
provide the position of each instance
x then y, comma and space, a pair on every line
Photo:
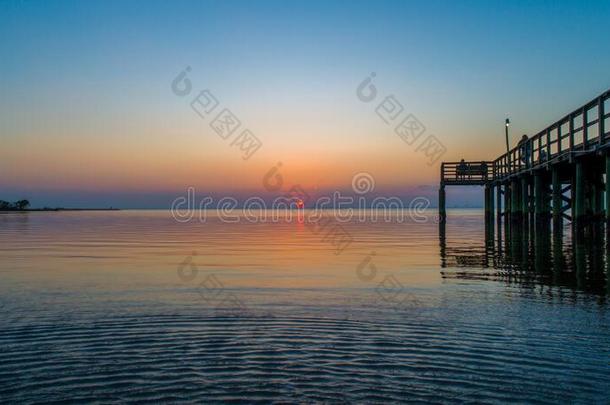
134, 306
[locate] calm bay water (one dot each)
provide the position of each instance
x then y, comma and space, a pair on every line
134, 306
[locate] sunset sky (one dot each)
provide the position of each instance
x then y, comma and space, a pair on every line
88, 116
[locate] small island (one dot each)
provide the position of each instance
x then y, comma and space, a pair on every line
24, 206
20, 205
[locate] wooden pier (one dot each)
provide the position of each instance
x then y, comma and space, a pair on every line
557, 176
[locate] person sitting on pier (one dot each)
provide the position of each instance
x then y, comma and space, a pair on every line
461, 170
525, 149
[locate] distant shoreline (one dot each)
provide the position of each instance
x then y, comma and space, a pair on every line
61, 209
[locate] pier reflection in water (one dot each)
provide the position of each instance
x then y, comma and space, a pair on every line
525, 254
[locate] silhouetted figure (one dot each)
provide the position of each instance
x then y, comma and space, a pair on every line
461, 169
526, 149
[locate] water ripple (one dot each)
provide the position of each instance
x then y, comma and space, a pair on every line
164, 358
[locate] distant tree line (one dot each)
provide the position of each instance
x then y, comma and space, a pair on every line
16, 206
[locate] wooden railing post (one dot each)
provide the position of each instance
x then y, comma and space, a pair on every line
585, 129
571, 130
548, 144
600, 121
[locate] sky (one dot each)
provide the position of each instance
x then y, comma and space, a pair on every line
89, 116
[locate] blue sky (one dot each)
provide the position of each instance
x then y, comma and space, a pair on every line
85, 86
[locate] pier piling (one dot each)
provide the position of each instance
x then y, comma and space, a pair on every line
578, 195
557, 203
607, 188
442, 211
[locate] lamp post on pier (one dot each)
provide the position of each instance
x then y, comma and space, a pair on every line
506, 125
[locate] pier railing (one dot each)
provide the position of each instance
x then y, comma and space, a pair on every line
582, 130
466, 173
